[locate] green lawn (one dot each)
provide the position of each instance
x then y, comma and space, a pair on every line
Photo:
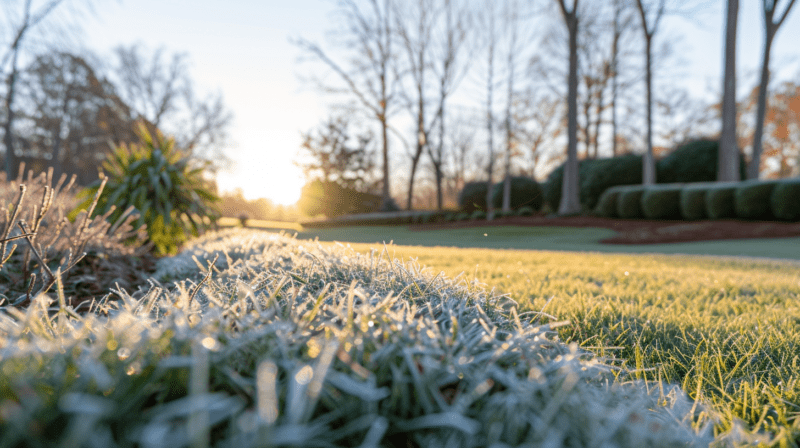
727, 330
550, 238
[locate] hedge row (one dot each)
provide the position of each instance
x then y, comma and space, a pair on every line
752, 199
525, 192
695, 161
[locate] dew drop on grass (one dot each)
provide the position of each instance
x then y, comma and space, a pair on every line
123, 353
304, 375
209, 343
627, 273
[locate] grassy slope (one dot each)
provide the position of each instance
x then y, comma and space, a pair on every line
550, 238
725, 329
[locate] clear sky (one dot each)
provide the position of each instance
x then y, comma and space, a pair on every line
242, 48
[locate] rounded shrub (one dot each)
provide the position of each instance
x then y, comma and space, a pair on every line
607, 204
602, 174
524, 191
163, 184
662, 201
785, 200
693, 201
694, 161
463, 216
477, 214
525, 211
629, 202
473, 196
719, 200
752, 198
450, 216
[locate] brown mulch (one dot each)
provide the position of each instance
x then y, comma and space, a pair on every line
635, 231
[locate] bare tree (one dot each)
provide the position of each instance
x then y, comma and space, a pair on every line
158, 88
31, 18
649, 27
570, 200
415, 26
540, 123
728, 164
511, 25
491, 43
448, 72
771, 25
370, 77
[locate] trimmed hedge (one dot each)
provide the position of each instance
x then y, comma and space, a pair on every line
607, 204
752, 199
601, 174
785, 200
662, 201
477, 214
719, 200
525, 211
473, 196
629, 202
524, 191
693, 201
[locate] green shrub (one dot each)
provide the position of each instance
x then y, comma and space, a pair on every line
463, 216
607, 204
785, 200
473, 196
450, 216
751, 199
719, 200
602, 174
693, 201
525, 211
524, 191
163, 185
551, 188
477, 214
695, 161
662, 201
629, 202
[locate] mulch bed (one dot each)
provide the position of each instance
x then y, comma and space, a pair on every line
635, 231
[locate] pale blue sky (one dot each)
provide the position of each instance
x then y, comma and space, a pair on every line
242, 48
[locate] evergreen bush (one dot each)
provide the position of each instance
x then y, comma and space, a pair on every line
473, 196
719, 200
477, 214
752, 198
629, 202
524, 191
600, 174
525, 210
607, 204
785, 200
694, 161
662, 201
693, 201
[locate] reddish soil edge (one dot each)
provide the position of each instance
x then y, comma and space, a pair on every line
635, 231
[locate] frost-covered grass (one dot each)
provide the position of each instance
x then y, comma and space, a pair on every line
726, 330
289, 343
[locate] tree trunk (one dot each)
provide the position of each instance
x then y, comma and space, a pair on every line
385, 140
728, 165
614, 55
754, 168
649, 163
570, 199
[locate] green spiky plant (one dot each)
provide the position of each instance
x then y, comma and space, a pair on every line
164, 185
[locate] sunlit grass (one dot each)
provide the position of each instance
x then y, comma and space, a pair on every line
726, 330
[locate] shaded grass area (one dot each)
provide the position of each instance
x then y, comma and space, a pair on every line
726, 330
551, 238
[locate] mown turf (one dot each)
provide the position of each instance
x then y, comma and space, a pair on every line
551, 238
726, 330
